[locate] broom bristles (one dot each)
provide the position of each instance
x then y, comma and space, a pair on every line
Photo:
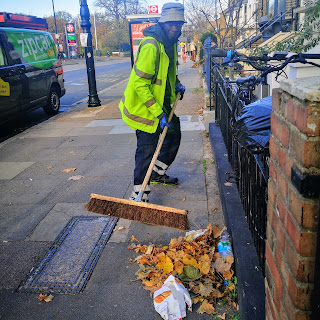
138, 211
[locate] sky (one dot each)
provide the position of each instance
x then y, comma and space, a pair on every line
41, 8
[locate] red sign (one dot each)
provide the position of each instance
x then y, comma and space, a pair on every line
153, 9
70, 27
137, 35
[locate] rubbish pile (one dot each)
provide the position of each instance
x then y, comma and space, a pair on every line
195, 262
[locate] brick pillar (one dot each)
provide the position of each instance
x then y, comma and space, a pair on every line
292, 214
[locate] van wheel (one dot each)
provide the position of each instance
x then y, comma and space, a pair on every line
53, 105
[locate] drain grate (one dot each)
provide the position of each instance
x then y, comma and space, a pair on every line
69, 262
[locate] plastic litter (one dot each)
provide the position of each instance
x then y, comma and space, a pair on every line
171, 299
224, 245
195, 233
224, 248
253, 125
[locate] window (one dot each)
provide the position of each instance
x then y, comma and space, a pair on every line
3, 59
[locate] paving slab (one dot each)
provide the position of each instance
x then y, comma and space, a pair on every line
9, 170
22, 149
26, 191
19, 220
17, 259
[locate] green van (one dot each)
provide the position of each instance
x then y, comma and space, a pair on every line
31, 75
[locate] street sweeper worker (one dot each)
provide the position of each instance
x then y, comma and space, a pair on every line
152, 88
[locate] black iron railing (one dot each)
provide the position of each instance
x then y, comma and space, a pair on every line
250, 170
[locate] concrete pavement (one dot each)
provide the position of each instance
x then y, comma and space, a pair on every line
37, 199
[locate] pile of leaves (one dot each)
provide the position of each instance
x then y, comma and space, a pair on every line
194, 260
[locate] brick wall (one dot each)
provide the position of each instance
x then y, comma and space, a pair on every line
292, 218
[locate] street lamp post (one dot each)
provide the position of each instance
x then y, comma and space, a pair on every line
55, 25
86, 25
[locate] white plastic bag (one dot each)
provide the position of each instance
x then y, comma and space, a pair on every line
171, 299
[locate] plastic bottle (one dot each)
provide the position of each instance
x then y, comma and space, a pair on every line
224, 245
224, 248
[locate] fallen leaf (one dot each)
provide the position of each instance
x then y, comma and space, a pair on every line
197, 299
72, 152
204, 264
189, 273
228, 184
48, 298
41, 296
183, 199
50, 167
76, 177
178, 266
216, 294
221, 266
188, 260
222, 317
149, 249
134, 239
165, 264
120, 228
206, 308
205, 289
69, 170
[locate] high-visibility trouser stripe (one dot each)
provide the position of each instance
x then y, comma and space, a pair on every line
137, 118
160, 167
161, 164
157, 170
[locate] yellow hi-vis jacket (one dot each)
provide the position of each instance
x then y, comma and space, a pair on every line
144, 95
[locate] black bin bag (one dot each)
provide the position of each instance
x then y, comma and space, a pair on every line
253, 125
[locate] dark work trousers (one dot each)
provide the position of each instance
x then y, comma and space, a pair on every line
147, 144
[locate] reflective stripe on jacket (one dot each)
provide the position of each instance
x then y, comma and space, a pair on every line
144, 95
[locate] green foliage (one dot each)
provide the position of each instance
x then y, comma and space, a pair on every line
304, 39
205, 35
204, 163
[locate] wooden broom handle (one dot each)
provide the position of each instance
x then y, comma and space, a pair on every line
155, 156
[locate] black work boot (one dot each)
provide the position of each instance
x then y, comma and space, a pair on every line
163, 179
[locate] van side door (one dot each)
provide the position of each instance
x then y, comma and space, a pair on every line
11, 83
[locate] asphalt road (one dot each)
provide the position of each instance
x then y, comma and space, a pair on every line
109, 71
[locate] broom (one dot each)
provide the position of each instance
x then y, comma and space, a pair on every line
138, 210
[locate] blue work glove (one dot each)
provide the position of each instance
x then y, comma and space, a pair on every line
180, 88
163, 122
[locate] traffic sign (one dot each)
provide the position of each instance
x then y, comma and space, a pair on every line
70, 27
153, 9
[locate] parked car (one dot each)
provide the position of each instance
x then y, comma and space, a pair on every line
31, 75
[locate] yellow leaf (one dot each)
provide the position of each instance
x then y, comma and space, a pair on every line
134, 239
48, 298
120, 228
205, 264
222, 317
206, 308
69, 170
178, 266
188, 260
165, 264
197, 299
